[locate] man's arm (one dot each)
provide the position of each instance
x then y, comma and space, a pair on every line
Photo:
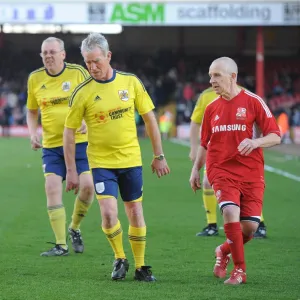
201, 154
194, 139
69, 154
269, 140
153, 132
32, 123
198, 164
200, 158
267, 124
196, 120
159, 166
248, 145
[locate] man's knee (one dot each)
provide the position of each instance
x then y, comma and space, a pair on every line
231, 213
86, 188
249, 228
52, 185
109, 210
134, 210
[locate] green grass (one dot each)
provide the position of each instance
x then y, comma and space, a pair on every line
182, 262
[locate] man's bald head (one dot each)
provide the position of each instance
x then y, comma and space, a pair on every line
226, 64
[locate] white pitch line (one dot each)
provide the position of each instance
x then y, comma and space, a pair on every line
267, 168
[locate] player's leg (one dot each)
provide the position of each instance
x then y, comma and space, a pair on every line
131, 189
54, 170
250, 212
84, 199
210, 205
261, 232
106, 188
228, 194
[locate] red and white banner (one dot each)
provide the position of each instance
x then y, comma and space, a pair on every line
19, 131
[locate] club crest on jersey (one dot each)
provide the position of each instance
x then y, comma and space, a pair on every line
123, 95
241, 113
66, 86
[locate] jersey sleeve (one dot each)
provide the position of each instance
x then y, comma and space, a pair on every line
31, 99
264, 118
143, 102
197, 115
76, 110
205, 129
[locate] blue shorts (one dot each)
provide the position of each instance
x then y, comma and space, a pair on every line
128, 180
54, 162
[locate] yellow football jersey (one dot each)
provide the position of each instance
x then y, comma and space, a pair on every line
108, 109
205, 98
51, 94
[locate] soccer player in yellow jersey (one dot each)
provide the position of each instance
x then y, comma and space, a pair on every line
107, 102
209, 199
49, 90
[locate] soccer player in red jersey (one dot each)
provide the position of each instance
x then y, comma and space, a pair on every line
235, 128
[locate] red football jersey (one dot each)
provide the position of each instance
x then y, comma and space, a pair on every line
225, 125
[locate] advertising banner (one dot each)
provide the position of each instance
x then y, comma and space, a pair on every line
153, 14
36, 13
201, 14
216, 14
128, 13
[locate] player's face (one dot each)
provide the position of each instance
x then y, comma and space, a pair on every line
220, 80
97, 63
52, 55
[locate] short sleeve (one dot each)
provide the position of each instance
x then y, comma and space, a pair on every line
31, 99
143, 102
206, 129
264, 118
76, 111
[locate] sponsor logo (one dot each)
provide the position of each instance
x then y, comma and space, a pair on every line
115, 114
231, 127
53, 101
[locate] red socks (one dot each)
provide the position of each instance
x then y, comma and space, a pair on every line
235, 244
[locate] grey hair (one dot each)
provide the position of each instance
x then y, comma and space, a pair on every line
54, 39
95, 40
229, 65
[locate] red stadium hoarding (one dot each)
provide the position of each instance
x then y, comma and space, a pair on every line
19, 131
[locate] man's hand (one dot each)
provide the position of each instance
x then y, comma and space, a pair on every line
160, 167
72, 182
35, 142
195, 180
247, 146
83, 128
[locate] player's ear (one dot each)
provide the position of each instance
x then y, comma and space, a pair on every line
109, 54
63, 54
234, 76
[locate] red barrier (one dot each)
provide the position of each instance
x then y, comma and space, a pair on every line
19, 131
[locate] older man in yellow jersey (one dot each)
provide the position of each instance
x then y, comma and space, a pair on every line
49, 89
107, 102
209, 199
